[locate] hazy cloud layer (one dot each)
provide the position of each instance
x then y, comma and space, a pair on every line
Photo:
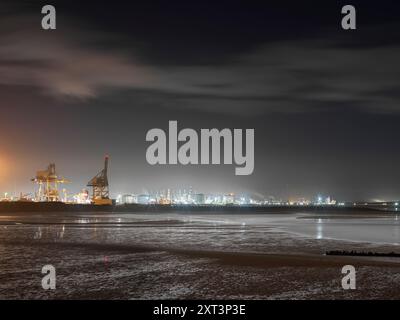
291, 76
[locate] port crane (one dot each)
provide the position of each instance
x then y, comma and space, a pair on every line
99, 183
48, 182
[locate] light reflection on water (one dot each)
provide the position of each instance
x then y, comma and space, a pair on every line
379, 228
320, 228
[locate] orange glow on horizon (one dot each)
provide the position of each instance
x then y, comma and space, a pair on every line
5, 167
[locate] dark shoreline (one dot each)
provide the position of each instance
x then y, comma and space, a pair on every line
28, 207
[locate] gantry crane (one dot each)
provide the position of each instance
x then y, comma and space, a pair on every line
100, 186
48, 182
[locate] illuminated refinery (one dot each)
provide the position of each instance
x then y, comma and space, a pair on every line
50, 187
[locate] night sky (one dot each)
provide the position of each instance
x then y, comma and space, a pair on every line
324, 102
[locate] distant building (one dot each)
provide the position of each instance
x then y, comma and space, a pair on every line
242, 199
229, 198
216, 199
143, 198
320, 200
199, 198
128, 198
82, 197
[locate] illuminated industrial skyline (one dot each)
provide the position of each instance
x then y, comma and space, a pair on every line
324, 103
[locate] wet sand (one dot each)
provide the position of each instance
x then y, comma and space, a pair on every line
184, 257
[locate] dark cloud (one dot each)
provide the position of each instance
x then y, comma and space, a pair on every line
291, 76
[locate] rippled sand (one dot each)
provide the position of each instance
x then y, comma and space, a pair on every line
176, 256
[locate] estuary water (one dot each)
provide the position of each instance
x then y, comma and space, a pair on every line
180, 256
